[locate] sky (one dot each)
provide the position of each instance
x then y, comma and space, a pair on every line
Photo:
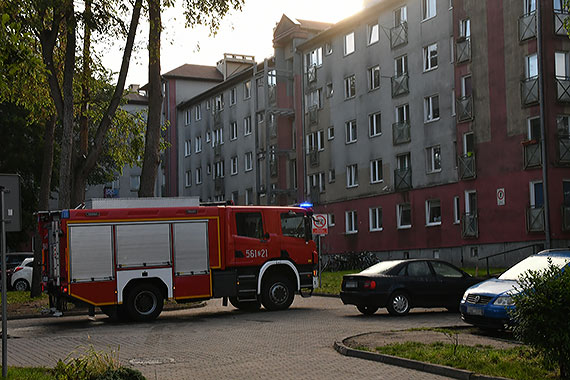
247, 32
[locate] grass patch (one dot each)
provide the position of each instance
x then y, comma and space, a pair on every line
16, 373
331, 282
519, 363
483, 271
16, 298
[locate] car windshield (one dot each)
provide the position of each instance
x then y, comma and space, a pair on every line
535, 263
381, 268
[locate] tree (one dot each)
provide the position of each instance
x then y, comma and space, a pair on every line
196, 12
541, 312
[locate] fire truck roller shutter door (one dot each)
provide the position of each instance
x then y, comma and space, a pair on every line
191, 248
143, 244
91, 252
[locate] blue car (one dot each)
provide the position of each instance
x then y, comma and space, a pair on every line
487, 303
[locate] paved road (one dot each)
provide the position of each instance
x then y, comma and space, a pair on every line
216, 342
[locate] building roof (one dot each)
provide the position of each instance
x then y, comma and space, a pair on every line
289, 27
314, 25
136, 98
189, 71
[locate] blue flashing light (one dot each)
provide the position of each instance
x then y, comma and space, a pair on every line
65, 214
306, 205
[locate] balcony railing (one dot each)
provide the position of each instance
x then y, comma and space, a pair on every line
312, 74
400, 85
464, 106
563, 148
463, 50
399, 35
563, 89
527, 26
559, 17
403, 179
469, 225
565, 218
401, 133
529, 91
272, 95
532, 154
313, 115
466, 166
314, 157
535, 219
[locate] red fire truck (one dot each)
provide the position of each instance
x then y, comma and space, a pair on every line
128, 260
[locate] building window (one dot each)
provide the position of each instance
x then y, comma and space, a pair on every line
135, 182
534, 128
188, 178
233, 96
247, 90
431, 108
433, 212
563, 125
187, 147
351, 222
400, 16
350, 87
375, 217
531, 66
401, 66
402, 113
315, 58
529, 6
352, 175
434, 159
331, 220
331, 133
430, 57
247, 125
456, 211
198, 143
218, 137
465, 29
328, 48
330, 90
248, 161
428, 9
187, 116
313, 99
350, 131
374, 78
404, 215
208, 169
198, 176
234, 165
249, 196
376, 175
208, 136
315, 141
558, 6
332, 175
198, 112
219, 169
233, 130
349, 43
373, 33
219, 102
561, 63
374, 125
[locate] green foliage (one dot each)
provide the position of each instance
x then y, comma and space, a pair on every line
541, 312
520, 363
15, 373
122, 373
87, 366
16, 298
331, 282
208, 12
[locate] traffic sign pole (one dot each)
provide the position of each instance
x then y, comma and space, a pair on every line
4, 293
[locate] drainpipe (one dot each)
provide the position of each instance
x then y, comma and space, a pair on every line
298, 53
543, 142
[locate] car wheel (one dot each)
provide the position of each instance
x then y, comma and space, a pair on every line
277, 293
367, 310
21, 285
399, 303
245, 305
144, 302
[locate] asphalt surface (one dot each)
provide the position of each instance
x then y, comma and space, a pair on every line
217, 342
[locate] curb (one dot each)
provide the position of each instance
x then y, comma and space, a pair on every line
435, 369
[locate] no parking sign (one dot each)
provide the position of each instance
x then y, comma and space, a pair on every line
501, 197
320, 225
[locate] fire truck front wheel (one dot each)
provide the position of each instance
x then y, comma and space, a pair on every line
144, 302
277, 292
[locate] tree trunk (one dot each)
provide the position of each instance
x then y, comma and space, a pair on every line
152, 138
86, 75
67, 133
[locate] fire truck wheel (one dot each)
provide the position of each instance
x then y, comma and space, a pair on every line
245, 305
144, 302
21, 285
277, 293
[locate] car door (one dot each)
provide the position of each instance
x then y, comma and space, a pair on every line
450, 285
419, 280
252, 243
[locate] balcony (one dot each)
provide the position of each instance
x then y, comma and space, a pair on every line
535, 219
403, 179
529, 91
312, 74
314, 157
563, 89
469, 225
399, 35
466, 166
463, 50
400, 85
217, 118
219, 183
272, 95
559, 17
401, 133
313, 115
532, 154
563, 148
217, 150
464, 108
527, 26
565, 218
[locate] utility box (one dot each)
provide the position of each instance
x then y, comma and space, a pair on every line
12, 205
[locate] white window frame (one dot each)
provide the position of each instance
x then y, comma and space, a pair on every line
431, 113
331, 220
429, 204
314, 58
329, 90
349, 44
373, 79
375, 219
351, 222
350, 87
198, 176
399, 210
247, 130
403, 13
373, 33
188, 116
208, 136
374, 124
328, 48
233, 131
401, 65
429, 9
531, 66
198, 112
456, 210
376, 174
188, 178
248, 161
352, 176
233, 96
351, 132
432, 159
187, 148
430, 53
561, 65
332, 175
234, 165
330, 132
198, 143
247, 90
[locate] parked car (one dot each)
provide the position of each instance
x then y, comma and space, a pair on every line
487, 304
400, 285
13, 259
22, 276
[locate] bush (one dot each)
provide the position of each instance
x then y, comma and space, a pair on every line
541, 312
122, 373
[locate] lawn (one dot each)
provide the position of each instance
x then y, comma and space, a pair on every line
15, 373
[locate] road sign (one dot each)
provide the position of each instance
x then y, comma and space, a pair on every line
501, 197
10, 185
320, 225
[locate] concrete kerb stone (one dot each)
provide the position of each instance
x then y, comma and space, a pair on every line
435, 369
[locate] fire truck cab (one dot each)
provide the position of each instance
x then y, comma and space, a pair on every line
127, 261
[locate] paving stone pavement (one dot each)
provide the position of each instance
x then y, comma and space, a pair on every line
216, 342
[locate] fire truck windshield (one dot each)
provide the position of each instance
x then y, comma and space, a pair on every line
293, 224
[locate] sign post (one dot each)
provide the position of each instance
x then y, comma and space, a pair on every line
320, 228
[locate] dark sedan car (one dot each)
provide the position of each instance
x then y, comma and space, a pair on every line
400, 285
